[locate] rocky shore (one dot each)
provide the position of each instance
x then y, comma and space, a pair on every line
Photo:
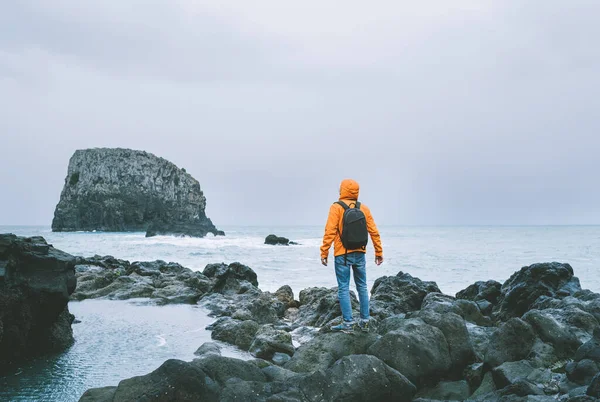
36, 281
535, 337
118, 190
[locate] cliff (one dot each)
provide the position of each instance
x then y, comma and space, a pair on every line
118, 190
36, 281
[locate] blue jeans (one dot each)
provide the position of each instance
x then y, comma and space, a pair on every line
356, 261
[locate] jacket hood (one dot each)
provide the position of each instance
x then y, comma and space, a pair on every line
349, 190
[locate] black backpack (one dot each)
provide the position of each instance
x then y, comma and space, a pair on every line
354, 227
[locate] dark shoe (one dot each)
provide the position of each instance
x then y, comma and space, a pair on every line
363, 325
346, 327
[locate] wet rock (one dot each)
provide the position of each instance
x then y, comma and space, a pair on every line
221, 369
285, 295
447, 391
104, 394
174, 380
480, 339
230, 278
594, 388
269, 341
440, 303
277, 240
365, 378
524, 287
508, 373
582, 372
510, 342
457, 336
590, 350
208, 348
324, 350
550, 330
521, 387
275, 373
471, 312
418, 350
319, 306
474, 375
280, 358
392, 295
489, 291
487, 386
235, 332
36, 281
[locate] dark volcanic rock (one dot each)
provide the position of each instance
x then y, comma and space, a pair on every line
417, 350
582, 372
165, 282
319, 306
363, 378
550, 330
448, 391
325, 349
104, 394
456, 334
524, 287
402, 293
128, 190
36, 281
591, 349
274, 240
489, 291
594, 388
235, 332
208, 348
511, 342
230, 278
269, 341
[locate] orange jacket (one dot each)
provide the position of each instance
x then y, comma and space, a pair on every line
349, 190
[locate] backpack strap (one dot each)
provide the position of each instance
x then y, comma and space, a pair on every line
342, 204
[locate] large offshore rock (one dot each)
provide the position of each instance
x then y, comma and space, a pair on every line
115, 189
36, 281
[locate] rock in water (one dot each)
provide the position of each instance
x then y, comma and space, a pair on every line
36, 281
115, 190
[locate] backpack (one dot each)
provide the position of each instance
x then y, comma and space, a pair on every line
354, 233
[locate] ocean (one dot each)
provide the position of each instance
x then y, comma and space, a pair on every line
119, 339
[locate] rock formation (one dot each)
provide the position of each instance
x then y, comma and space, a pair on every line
117, 190
534, 338
275, 240
35, 283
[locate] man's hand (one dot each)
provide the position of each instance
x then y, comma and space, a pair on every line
324, 261
378, 260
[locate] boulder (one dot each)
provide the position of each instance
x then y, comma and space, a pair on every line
582, 372
221, 369
550, 330
594, 388
521, 387
392, 295
319, 306
486, 387
363, 378
489, 291
104, 394
276, 240
174, 380
480, 339
510, 342
447, 391
115, 189
524, 287
235, 332
590, 350
325, 349
230, 278
269, 341
417, 350
510, 372
208, 348
457, 336
285, 295
36, 281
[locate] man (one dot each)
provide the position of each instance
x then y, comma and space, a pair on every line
352, 258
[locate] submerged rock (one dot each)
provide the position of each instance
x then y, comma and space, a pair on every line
274, 240
36, 281
116, 190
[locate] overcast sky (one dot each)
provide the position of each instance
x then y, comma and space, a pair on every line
446, 112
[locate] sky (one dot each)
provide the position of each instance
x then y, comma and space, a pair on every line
470, 112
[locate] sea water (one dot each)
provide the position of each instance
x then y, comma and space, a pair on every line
116, 339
